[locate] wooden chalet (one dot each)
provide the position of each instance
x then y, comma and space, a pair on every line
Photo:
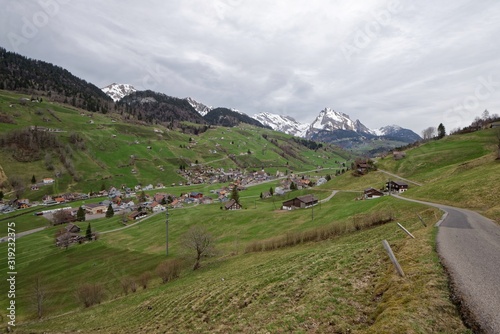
372, 193
72, 228
300, 202
397, 186
232, 205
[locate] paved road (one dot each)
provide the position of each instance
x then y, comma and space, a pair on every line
22, 234
469, 247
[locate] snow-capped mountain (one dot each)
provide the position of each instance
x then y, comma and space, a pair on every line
281, 123
331, 120
396, 132
199, 107
118, 91
386, 130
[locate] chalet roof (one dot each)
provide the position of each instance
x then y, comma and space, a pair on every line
400, 183
372, 190
72, 227
230, 203
307, 198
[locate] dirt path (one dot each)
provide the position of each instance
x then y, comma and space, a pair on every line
399, 177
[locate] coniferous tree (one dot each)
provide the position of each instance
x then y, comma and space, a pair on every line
110, 212
33, 179
1, 195
261, 195
441, 131
80, 215
235, 195
271, 191
88, 233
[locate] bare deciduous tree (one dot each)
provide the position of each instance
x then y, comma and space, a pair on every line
63, 238
429, 133
39, 295
199, 240
17, 185
90, 294
125, 283
61, 217
168, 270
144, 279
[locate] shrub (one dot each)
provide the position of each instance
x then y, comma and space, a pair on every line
125, 283
90, 294
144, 279
168, 270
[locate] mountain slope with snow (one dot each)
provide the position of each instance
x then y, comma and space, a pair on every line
331, 120
118, 91
281, 123
199, 107
395, 132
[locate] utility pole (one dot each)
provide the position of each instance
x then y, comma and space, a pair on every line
166, 223
312, 212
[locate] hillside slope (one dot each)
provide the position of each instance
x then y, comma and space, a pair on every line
91, 149
339, 285
458, 170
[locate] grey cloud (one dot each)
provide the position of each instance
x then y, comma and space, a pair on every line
286, 57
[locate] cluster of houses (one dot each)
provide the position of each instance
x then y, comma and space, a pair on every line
202, 174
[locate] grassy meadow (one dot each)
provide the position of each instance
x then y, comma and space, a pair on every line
343, 284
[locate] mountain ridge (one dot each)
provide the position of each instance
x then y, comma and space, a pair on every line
118, 91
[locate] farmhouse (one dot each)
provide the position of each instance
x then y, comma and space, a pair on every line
232, 205
137, 215
68, 238
195, 194
72, 228
362, 167
95, 208
372, 193
300, 202
157, 207
48, 180
398, 186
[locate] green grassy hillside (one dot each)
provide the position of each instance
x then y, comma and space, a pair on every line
117, 152
458, 170
342, 284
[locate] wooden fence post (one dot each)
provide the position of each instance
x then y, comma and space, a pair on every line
406, 231
393, 258
422, 220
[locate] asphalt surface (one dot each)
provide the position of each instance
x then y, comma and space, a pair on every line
469, 247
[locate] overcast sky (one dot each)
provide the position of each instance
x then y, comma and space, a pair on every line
411, 63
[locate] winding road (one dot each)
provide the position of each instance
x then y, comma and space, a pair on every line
469, 247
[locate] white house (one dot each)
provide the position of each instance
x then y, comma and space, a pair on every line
48, 180
157, 207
